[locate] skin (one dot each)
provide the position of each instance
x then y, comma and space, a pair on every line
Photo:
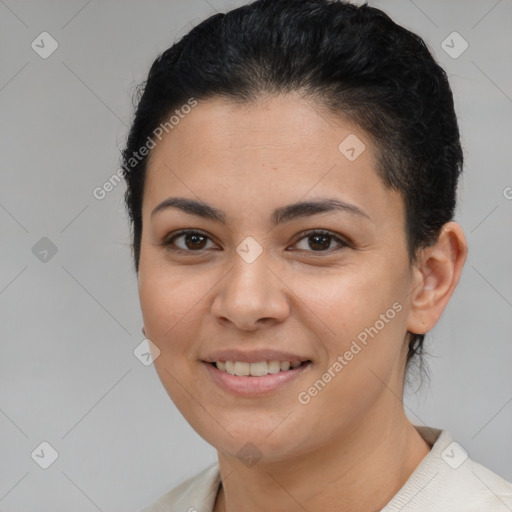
351, 447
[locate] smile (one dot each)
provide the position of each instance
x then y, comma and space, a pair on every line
237, 377
258, 369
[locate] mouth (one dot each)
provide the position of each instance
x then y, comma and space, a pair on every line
257, 379
257, 369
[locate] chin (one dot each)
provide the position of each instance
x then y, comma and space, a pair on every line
267, 444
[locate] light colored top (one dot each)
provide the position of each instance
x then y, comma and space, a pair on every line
446, 480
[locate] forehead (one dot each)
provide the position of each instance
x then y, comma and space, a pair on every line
274, 150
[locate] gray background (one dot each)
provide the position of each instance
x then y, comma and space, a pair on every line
70, 324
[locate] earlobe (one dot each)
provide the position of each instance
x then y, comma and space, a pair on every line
436, 273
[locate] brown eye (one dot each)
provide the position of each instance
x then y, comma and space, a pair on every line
195, 241
192, 241
320, 241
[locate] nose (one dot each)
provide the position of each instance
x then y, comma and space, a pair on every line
251, 295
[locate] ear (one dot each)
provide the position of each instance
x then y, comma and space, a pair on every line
436, 273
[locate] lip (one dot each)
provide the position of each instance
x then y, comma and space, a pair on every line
253, 356
250, 386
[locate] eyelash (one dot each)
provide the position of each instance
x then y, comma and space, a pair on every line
168, 242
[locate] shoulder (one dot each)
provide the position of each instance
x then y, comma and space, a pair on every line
196, 494
484, 488
448, 480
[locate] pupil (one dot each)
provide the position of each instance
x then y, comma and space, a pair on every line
196, 238
316, 238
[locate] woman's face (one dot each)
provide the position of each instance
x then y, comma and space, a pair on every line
252, 280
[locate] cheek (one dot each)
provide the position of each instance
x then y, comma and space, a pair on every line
170, 302
366, 315
172, 311
349, 301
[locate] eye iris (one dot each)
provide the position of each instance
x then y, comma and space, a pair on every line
316, 238
196, 240
317, 241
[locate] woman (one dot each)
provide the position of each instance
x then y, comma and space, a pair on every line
292, 170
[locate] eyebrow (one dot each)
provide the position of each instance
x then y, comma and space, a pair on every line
279, 215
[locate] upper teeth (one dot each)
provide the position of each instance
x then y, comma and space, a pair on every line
255, 369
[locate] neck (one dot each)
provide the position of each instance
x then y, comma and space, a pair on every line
360, 469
